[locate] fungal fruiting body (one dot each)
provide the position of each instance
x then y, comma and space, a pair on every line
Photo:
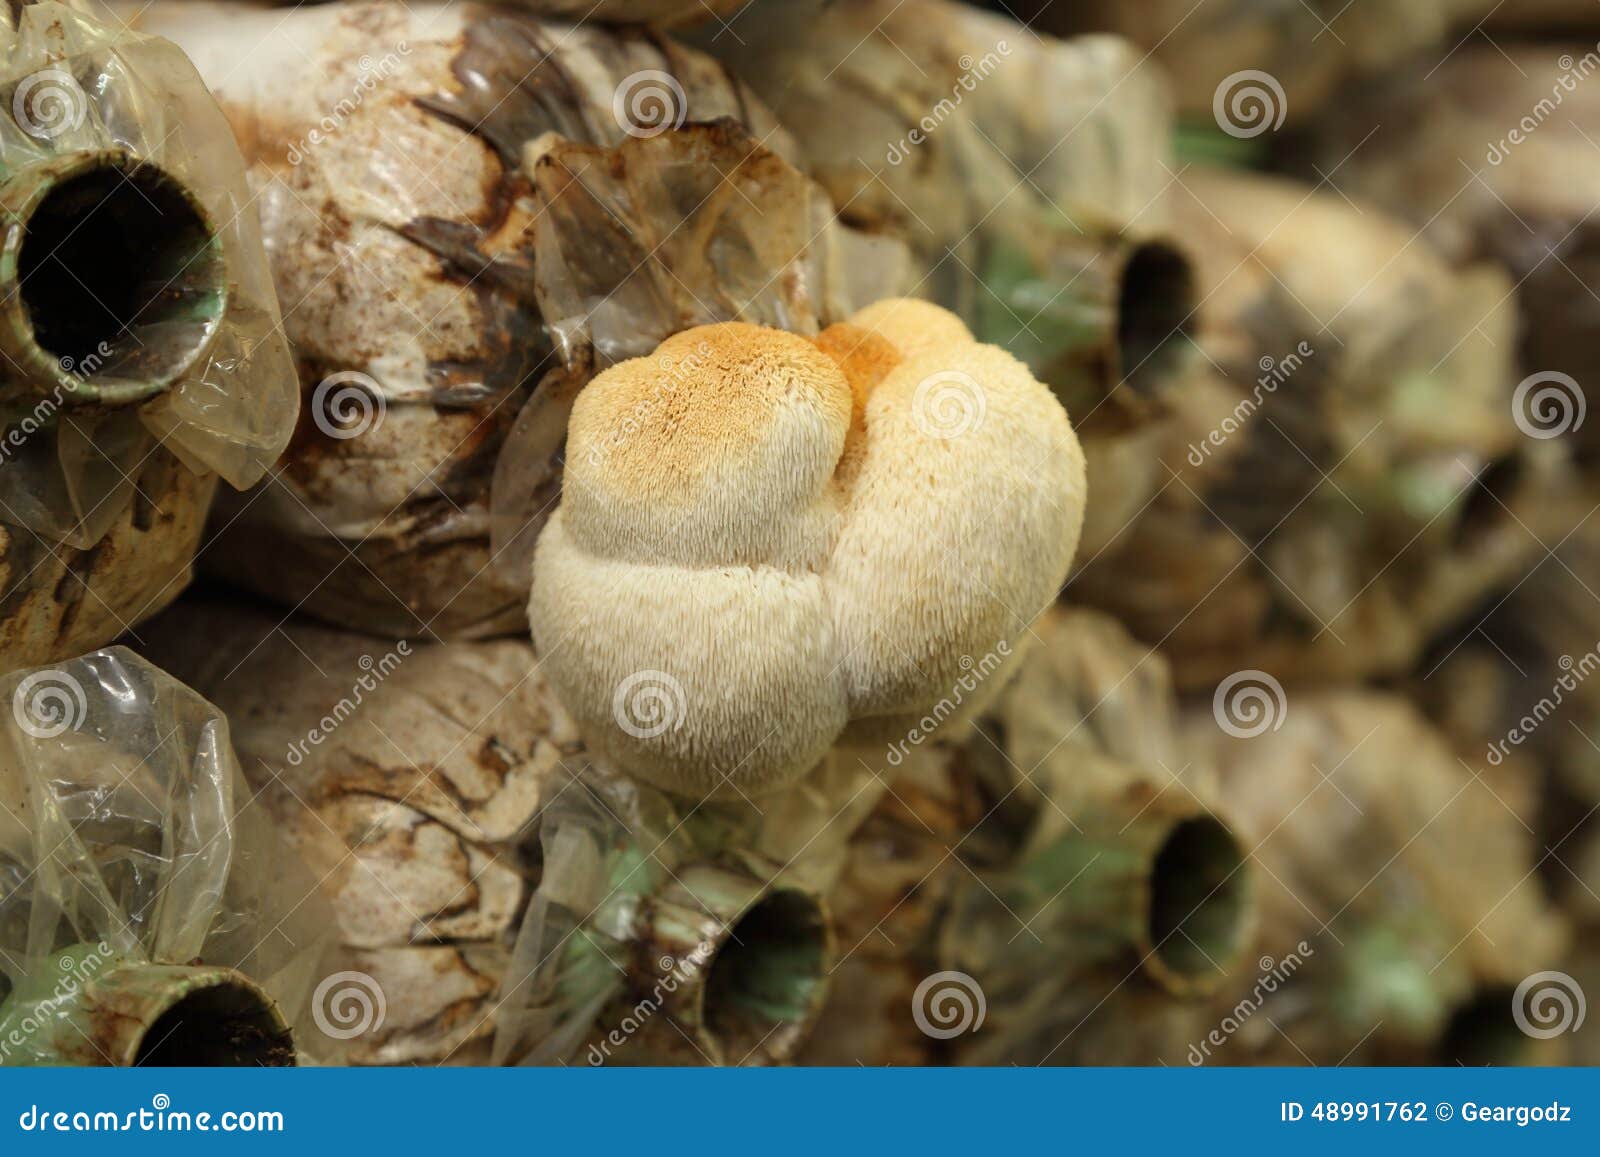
765, 539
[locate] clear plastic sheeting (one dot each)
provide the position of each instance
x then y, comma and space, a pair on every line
903, 864
596, 871
708, 225
63, 602
1459, 161
1088, 684
924, 120
113, 138
1112, 894
407, 779
127, 839
1219, 52
418, 784
1012, 873
661, 933
853, 82
1343, 475
1397, 883
412, 162
701, 225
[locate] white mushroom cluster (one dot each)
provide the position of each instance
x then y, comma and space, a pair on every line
767, 542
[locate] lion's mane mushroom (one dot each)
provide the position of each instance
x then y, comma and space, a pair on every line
764, 540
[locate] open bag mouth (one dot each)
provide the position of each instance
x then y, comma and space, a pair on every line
120, 278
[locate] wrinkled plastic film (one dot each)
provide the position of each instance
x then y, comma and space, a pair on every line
231, 410
1395, 879
467, 140
923, 121
1210, 54
595, 950
1090, 788
707, 207
980, 75
483, 875
444, 802
594, 835
1393, 422
407, 778
701, 225
126, 836
1528, 200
